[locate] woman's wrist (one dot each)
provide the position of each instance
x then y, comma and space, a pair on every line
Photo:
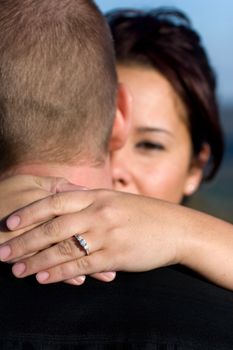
189, 236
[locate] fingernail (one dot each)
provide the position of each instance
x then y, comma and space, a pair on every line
109, 275
12, 222
42, 276
5, 252
18, 269
78, 280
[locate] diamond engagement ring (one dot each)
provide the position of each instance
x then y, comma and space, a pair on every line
83, 243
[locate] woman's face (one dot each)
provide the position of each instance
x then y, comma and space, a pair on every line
156, 160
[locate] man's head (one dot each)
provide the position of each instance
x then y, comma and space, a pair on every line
58, 85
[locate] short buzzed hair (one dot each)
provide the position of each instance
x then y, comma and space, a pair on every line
57, 82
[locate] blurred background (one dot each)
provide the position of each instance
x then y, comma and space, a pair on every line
214, 22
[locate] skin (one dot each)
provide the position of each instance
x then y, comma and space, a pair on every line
108, 220
157, 158
20, 190
87, 174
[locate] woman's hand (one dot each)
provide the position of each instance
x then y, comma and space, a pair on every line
124, 232
20, 190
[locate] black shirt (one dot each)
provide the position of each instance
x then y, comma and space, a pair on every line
165, 309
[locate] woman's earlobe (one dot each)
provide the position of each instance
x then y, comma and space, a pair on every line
196, 171
191, 188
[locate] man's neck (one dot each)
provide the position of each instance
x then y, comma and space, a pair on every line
81, 175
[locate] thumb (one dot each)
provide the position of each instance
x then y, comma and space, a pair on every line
56, 184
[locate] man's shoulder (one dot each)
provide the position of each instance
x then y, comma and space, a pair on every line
164, 306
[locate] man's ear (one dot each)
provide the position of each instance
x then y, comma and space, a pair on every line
196, 170
122, 120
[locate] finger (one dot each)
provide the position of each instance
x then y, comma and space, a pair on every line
62, 252
51, 232
101, 276
104, 276
27, 182
77, 281
53, 184
49, 207
86, 265
69, 187
7, 236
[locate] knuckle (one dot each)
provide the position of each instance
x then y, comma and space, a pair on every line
20, 245
56, 202
51, 228
106, 213
30, 211
83, 264
67, 271
109, 217
66, 248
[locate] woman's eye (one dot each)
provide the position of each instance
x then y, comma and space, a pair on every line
147, 145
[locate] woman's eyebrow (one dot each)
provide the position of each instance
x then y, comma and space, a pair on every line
153, 129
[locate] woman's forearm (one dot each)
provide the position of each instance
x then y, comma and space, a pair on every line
208, 247
126, 232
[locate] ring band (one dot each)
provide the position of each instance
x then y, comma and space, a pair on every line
83, 243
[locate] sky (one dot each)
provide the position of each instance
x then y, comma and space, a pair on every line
213, 19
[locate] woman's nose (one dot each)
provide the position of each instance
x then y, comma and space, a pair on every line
121, 178
120, 173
